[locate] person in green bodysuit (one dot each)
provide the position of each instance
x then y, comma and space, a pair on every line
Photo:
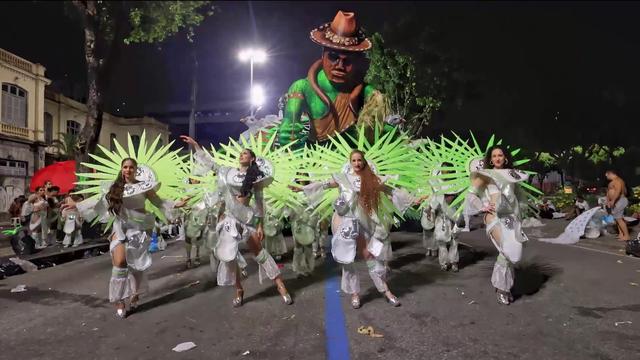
334, 92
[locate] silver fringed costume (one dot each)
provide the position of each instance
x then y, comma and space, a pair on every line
502, 189
273, 238
239, 221
132, 227
428, 240
351, 221
72, 228
441, 220
305, 228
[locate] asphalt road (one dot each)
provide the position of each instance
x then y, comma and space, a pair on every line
573, 302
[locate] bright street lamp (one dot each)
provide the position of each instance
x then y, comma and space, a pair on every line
253, 56
257, 96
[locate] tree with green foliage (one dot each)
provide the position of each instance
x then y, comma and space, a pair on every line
416, 73
394, 74
68, 146
109, 25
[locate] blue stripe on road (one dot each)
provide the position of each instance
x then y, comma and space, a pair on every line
335, 326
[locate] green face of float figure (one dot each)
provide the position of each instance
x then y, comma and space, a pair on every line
338, 72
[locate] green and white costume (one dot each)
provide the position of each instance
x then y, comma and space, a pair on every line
141, 203
305, 228
392, 160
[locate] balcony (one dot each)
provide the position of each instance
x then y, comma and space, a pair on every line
16, 61
14, 130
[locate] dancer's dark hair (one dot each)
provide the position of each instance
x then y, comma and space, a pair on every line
508, 162
114, 196
253, 173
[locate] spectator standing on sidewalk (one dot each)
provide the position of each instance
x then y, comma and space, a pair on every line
617, 202
16, 206
53, 212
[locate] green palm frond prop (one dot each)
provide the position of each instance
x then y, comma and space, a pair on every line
285, 167
389, 153
459, 153
196, 190
166, 165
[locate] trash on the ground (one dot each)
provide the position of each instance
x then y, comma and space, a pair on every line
461, 292
618, 323
19, 288
26, 265
619, 261
369, 331
185, 346
171, 256
194, 283
246, 353
289, 317
190, 319
633, 284
472, 302
83, 324
94, 329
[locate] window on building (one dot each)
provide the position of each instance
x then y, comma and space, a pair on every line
135, 139
48, 128
73, 127
14, 105
112, 142
13, 167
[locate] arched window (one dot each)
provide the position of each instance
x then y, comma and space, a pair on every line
48, 128
14, 105
73, 127
112, 142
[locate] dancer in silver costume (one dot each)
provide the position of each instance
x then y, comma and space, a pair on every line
498, 196
443, 223
240, 221
273, 239
357, 224
130, 236
305, 228
428, 238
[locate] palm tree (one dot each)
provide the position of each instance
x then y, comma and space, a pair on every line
68, 146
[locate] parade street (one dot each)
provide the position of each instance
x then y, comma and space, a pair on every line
572, 302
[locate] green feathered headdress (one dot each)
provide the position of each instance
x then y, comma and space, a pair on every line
164, 166
462, 157
389, 155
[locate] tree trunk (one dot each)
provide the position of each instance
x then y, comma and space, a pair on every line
91, 130
194, 93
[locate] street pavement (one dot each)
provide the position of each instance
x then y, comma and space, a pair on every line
572, 302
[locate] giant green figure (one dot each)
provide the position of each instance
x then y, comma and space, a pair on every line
334, 94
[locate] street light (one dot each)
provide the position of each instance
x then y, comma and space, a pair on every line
257, 96
253, 56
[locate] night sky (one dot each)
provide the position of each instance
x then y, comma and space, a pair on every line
540, 70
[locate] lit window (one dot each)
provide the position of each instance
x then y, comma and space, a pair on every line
73, 127
14, 105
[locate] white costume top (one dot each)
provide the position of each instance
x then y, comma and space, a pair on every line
133, 222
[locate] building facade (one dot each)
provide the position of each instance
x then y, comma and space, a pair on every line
32, 117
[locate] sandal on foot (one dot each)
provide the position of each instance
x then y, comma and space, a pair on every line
238, 300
